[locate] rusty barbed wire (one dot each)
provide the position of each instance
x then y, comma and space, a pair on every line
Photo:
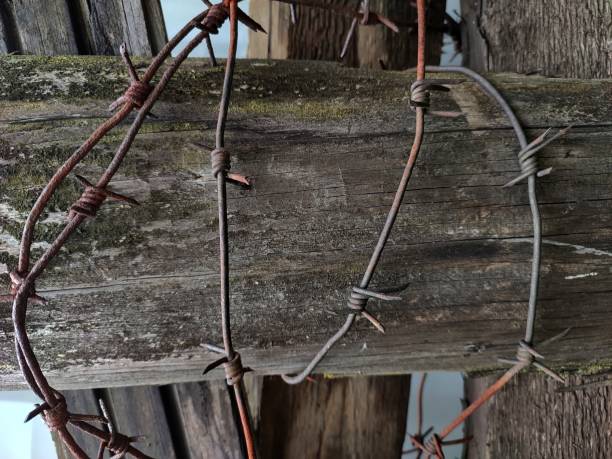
526, 354
360, 295
140, 95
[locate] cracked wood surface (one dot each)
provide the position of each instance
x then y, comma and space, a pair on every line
134, 296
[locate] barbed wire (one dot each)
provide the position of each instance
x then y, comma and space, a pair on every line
141, 95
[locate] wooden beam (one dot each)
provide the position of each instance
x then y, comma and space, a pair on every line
133, 297
552, 37
360, 417
531, 419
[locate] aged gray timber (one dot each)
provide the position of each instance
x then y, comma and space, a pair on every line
360, 418
40, 27
140, 411
205, 418
563, 424
81, 26
553, 37
134, 296
320, 34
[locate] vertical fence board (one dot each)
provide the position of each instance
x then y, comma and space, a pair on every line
361, 417
140, 411
205, 415
44, 27
80, 402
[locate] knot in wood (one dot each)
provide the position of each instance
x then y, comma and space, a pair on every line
118, 444
234, 370
57, 417
217, 15
220, 161
89, 202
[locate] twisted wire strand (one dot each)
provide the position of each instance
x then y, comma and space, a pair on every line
391, 216
526, 354
54, 410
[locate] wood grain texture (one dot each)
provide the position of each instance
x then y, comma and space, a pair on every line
320, 35
44, 27
399, 50
156, 25
114, 22
206, 419
359, 418
140, 411
531, 419
133, 297
554, 37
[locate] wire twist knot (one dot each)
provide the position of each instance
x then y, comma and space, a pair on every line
358, 301
118, 444
16, 283
92, 199
220, 160
527, 157
57, 417
217, 15
234, 370
89, 203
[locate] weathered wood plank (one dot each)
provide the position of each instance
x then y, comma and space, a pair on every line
530, 419
44, 27
140, 411
553, 37
119, 21
360, 417
320, 34
139, 286
206, 420
156, 25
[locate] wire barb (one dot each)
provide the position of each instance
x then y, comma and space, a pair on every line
527, 156
138, 91
92, 199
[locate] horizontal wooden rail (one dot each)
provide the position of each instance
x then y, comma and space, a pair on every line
133, 298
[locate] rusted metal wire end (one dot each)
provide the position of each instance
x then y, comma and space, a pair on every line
16, 282
136, 94
359, 299
526, 356
55, 417
234, 371
528, 160
220, 160
92, 199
